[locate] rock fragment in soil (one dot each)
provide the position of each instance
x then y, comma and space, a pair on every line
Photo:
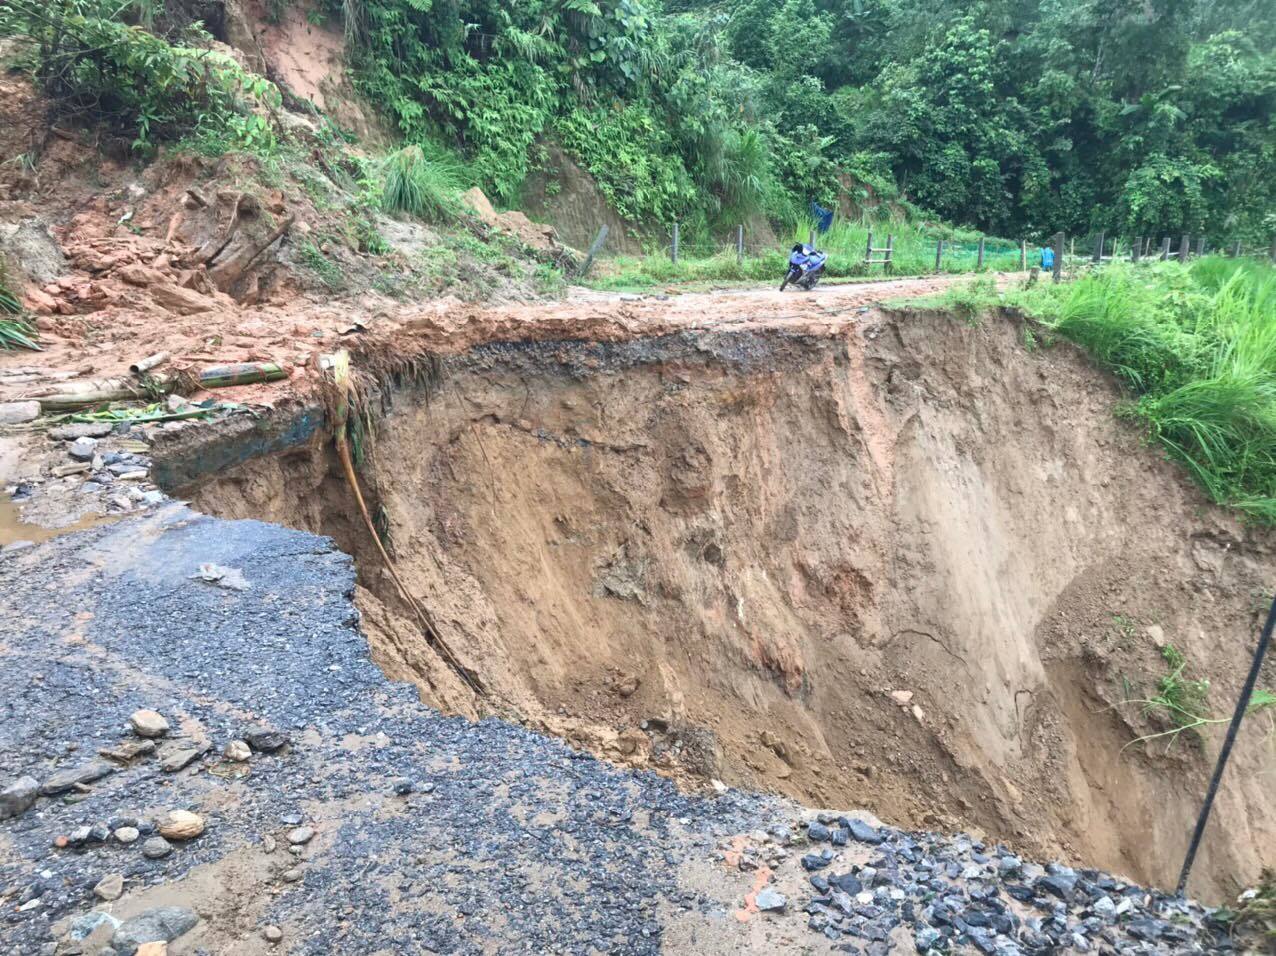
180, 756
127, 835
300, 835
110, 888
163, 924
237, 750
68, 779
18, 797
156, 848
266, 741
148, 723
769, 900
181, 825
83, 449
18, 413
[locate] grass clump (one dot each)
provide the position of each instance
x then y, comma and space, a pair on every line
421, 186
15, 330
1197, 348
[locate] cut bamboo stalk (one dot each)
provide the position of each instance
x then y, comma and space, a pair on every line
148, 363
245, 373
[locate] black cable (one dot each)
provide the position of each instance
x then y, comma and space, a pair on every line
1242, 705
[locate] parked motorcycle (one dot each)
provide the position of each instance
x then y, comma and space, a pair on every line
806, 266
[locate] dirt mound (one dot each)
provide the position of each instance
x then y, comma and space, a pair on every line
910, 567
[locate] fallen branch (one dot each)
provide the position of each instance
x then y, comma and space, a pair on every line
225, 273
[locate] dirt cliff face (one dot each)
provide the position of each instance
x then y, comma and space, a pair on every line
913, 567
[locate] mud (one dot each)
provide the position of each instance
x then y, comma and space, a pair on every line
888, 560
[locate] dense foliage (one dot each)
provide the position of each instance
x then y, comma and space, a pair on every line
1197, 346
1019, 117
105, 63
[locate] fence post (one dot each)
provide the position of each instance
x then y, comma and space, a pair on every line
1236, 250
739, 245
1185, 247
1271, 253
1072, 247
1058, 256
1023, 255
868, 251
1165, 249
673, 250
1200, 246
979, 261
594, 248
890, 252
1134, 248
812, 242
939, 253
1098, 247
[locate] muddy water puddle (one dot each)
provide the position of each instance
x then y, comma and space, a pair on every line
13, 529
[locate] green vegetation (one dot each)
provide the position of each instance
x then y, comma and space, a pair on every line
97, 62
421, 187
1255, 910
913, 254
1182, 702
15, 331
1197, 349
1018, 118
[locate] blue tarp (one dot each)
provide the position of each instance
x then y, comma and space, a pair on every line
823, 217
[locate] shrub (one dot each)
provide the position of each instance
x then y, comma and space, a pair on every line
419, 186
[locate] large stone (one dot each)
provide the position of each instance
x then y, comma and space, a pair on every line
163, 925
181, 825
16, 413
156, 848
177, 757
237, 750
862, 832
180, 301
110, 887
80, 430
770, 900
266, 741
300, 835
83, 449
148, 723
68, 779
18, 797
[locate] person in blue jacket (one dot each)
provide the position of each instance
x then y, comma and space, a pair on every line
1047, 259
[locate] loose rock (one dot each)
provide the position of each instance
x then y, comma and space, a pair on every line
181, 825
300, 835
18, 797
127, 834
65, 780
237, 750
163, 925
266, 741
272, 934
156, 848
177, 758
148, 723
82, 449
769, 900
110, 887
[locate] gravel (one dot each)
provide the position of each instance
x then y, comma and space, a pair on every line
447, 836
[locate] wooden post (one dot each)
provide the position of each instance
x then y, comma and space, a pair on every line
1058, 256
890, 252
594, 248
739, 245
1023, 255
868, 251
812, 242
939, 253
1200, 246
1098, 247
673, 250
1185, 247
1165, 249
979, 260
1072, 246
1271, 253
1236, 250
1135, 248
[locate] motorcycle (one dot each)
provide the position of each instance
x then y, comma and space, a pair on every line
806, 266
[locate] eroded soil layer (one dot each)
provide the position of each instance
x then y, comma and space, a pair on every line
906, 564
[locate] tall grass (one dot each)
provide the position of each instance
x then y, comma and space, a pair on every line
1197, 347
420, 185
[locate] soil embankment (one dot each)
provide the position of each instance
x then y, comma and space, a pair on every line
891, 561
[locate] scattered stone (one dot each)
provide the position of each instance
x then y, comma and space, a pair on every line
292, 876
403, 786
181, 825
82, 449
817, 832
148, 723
813, 861
162, 925
156, 848
18, 797
110, 887
718, 786
300, 836
149, 949
17, 413
237, 750
902, 697
127, 835
84, 925
1157, 633
181, 756
1104, 908
266, 741
272, 934
1058, 884
80, 430
68, 779
862, 832
128, 750
770, 901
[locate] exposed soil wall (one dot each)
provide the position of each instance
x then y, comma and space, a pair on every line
910, 568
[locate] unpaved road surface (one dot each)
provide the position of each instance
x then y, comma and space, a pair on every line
414, 832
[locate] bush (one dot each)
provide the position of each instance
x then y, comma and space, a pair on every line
418, 186
99, 69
